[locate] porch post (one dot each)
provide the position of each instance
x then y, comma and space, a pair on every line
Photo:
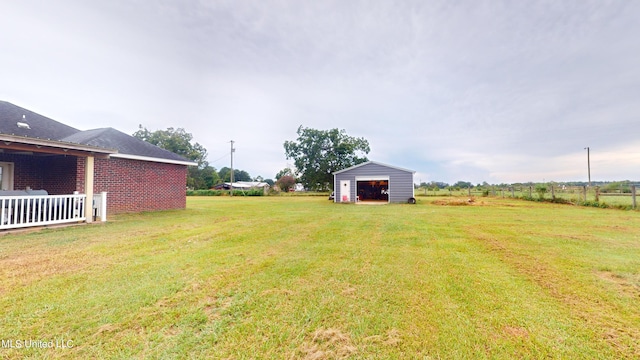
88, 188
103, 206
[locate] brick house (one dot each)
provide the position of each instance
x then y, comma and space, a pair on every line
38, 153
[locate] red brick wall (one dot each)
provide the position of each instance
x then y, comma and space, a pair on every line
80, 175
134, 185
25, 171
56, 174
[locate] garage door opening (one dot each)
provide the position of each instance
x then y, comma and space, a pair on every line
373, 190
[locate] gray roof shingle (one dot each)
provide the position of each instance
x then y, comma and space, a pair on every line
42, 127
125, 144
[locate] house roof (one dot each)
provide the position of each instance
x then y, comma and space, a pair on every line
40, 127
20, 122
126, 145
36, 145
376, 163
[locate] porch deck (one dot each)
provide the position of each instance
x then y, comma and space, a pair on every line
40, 210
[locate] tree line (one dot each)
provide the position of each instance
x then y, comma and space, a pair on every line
316, 155
203, 176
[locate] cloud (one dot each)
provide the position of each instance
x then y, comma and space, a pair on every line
492, 91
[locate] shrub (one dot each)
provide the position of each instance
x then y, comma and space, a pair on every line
541, 189
252, 192
205, 192
286, 182
593, 203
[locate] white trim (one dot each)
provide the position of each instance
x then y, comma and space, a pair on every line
153, 159
375, 178
372, 178
89, 173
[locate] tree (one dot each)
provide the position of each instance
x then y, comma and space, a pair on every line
179, 142
541, 189
238, 175
204, 178
318, 153
283, 172
462, 185
286, 182
175, 140
241, 175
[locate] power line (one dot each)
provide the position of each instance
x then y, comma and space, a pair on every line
220, 158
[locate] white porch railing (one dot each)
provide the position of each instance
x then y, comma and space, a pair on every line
40, 210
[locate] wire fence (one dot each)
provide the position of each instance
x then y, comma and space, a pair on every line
583, 195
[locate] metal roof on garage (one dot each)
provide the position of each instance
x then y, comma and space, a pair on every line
376, 163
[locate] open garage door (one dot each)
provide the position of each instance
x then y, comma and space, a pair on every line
374, 190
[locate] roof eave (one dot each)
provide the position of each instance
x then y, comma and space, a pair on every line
153, 159
373, 162
46, 145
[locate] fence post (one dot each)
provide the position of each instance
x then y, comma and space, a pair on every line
553, 193
584, 191
469, 190
597, 193
513, 194
530, 190
633, 196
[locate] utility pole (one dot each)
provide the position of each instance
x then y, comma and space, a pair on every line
588, 166
232, 150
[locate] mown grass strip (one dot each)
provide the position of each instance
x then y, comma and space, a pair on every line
294, 277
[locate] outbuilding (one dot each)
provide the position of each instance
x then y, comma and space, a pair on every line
373, 182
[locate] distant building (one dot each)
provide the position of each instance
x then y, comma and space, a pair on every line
374, 182
244, 185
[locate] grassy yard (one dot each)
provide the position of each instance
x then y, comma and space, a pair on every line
301, 277
574, 195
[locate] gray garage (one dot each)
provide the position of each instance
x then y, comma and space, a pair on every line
373, 182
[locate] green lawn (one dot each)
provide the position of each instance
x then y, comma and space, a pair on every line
574, 195
302, 277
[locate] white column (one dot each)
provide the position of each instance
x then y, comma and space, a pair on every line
88, 188
103, 206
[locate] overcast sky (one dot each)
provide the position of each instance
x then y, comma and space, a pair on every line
496, 91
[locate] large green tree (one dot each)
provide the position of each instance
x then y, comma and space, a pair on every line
284, 172
318, 153
175, 140
238, 175
181, 142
